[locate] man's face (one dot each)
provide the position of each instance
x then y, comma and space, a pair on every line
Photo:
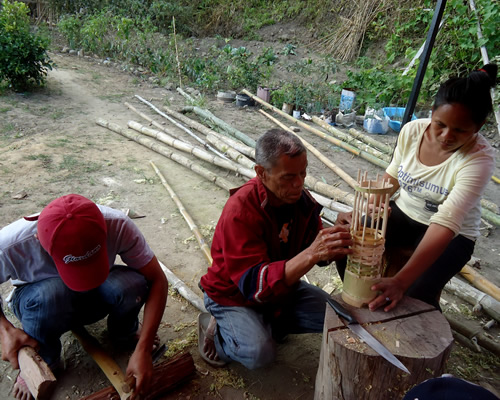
286, 179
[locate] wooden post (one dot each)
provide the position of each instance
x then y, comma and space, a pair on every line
415, 332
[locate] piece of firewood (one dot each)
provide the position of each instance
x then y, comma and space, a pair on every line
36, 373
166, 376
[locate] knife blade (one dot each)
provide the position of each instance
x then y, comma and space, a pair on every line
366, 336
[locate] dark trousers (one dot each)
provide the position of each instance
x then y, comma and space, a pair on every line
402, 231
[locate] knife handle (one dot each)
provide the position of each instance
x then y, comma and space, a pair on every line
340, 310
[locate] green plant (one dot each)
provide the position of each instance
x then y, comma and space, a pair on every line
70, 27
289, 49
23, 60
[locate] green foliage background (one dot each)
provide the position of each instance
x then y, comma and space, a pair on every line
23, 53
141, 32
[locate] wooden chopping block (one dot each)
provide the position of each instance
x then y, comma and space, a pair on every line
167, 375
109, 366
415, 332
36, 373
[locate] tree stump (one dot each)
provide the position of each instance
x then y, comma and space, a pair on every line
415, 332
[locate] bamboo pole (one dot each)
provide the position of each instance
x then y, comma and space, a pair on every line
384, 148
240, 147
192, 226
165, 151
221, 124
194, 150
470, 331
331, 204
330, 164
490, 216
480, 282
363, 154
361, 142
187, 96
474, 296
233, 154
329, 190
151, 121
189, 132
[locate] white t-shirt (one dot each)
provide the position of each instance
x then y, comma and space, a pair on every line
24, 260
449, 193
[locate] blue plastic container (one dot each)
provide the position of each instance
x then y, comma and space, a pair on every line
396, 112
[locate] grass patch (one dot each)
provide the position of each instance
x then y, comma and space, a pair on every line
472, 365
5, 109
44, 158
58, 143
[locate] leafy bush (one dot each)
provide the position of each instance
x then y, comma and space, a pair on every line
23, 54
70, 27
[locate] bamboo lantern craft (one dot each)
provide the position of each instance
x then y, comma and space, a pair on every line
364, 265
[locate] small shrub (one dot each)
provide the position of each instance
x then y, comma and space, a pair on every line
23, 54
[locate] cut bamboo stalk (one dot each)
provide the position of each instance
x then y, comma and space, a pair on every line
233, 154
470, 331
367, 144
151, 121
192, 226
235, 144
330, 204
489, 205
228, 146
330, 164
189, 132
490, 216
384, 148
221, 124
474, 296
187, 96
194, 150
480, 282
165, 151
363, 154
329, 190
183, 289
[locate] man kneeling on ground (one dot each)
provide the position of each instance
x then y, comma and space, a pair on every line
268, 236
62, 266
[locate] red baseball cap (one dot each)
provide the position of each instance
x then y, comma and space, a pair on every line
73, 231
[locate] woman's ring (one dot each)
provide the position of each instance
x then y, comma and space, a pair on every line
387, 299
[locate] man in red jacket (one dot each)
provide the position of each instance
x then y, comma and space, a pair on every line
268, 236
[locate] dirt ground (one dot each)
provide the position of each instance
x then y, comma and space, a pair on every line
50, 145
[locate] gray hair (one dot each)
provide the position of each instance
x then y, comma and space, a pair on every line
273, 144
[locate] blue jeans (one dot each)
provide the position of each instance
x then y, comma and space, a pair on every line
48, 308
248, 335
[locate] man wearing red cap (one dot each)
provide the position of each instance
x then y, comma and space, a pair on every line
62, 265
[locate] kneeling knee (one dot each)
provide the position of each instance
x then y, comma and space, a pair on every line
263, 355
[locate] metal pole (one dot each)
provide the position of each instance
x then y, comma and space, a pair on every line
424, 60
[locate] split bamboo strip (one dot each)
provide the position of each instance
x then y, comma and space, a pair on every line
242, 148
480, 282
474, 296
330, 164
348, 138
165, 151
183, 289
151, 121
363, 154
193, 150
189, 132
221, 124
192, 225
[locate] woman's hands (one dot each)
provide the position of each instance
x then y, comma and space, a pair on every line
391, 292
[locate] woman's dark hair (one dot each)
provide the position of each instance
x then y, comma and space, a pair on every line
472, 91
